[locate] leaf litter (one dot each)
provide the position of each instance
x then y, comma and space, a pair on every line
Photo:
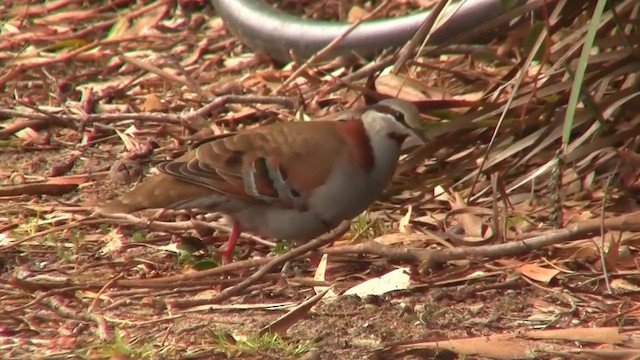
496, 240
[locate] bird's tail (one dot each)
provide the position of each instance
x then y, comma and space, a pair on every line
160, 191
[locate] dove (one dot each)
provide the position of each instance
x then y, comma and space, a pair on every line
290, 181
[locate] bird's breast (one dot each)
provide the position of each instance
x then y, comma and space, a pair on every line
349, 190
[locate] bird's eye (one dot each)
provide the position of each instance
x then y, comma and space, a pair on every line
398, 115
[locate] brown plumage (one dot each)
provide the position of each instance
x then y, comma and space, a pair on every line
292, 181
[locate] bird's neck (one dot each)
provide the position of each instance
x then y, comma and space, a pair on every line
386, 150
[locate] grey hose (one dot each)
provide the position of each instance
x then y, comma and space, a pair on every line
265, 29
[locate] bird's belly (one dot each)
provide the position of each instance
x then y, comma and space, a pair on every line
296, 225
283, 224
343, 197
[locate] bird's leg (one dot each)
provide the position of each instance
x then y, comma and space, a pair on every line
314, 258
227, 257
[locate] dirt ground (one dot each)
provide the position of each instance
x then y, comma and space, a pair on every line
96, 94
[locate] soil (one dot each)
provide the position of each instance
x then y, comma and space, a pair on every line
77, 285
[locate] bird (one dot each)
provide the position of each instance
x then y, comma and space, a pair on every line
290, 181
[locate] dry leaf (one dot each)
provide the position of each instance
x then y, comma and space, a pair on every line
356, 13
624, 285
405, 239
613, 252
27, 134
538, 273
401, 87
6, 239
404, 225
152, 102
53, 186
114, 242
283, 323
149, 20
440, 193
119, 28
474, 228
397, 279
319, 275
129, 143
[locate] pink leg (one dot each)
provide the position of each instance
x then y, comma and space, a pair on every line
314, 258
227, 257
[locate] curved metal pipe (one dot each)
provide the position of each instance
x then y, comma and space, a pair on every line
265, 29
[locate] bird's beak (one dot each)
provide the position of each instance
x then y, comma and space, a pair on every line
417, 140
420, 134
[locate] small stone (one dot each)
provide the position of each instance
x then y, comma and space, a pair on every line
124, 172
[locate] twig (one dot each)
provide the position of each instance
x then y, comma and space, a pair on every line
431, 258
173, 226
166, 75
258, 275
428, 258
102, 290
287, 101
161, 118
602, 246
105, 332
420, 37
